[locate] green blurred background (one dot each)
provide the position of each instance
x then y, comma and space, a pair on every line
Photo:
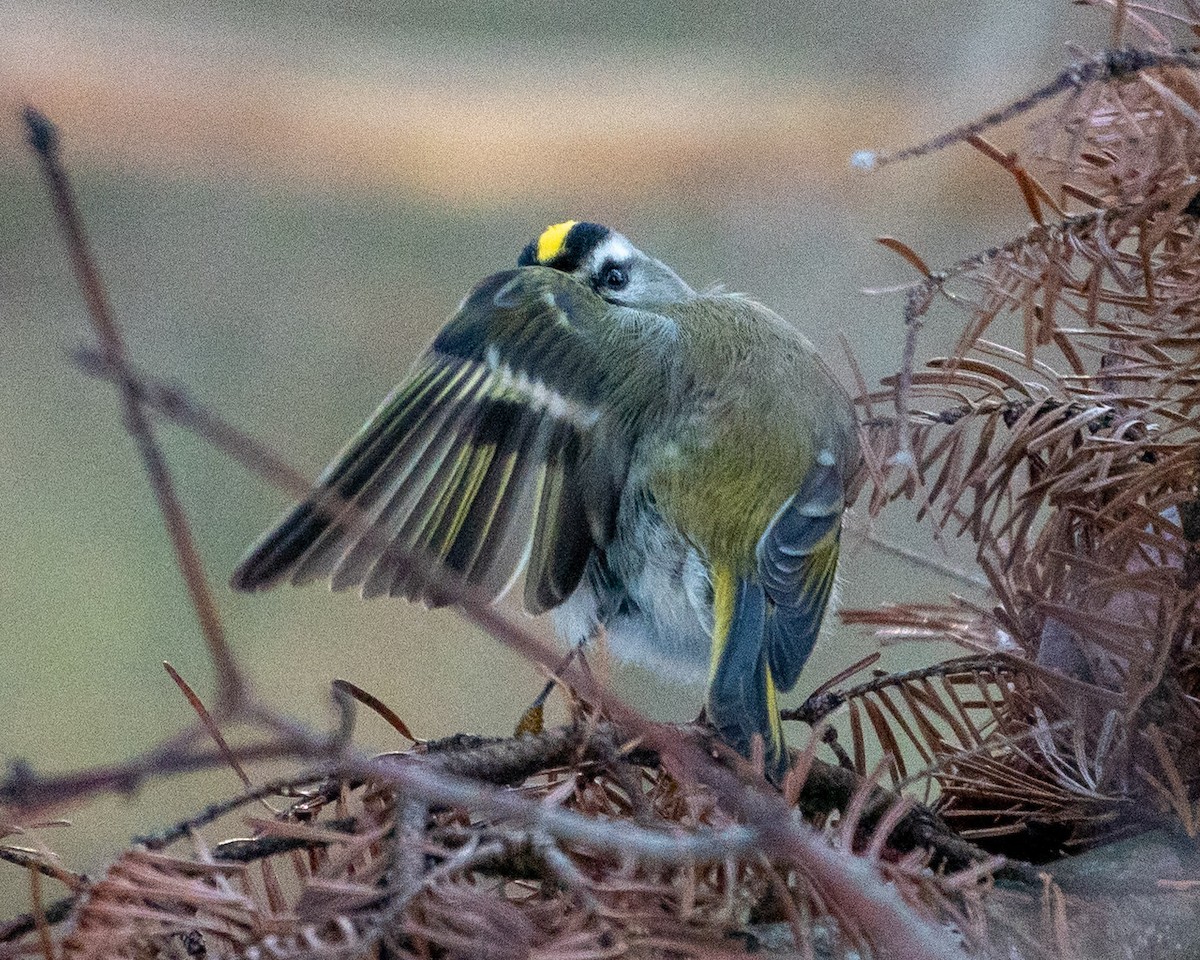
287, 198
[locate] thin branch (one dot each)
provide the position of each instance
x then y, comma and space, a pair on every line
1108, 65
612, 837
25, 789
231, 685
177, 405
816, 708
26, 923
31, 861
831, 788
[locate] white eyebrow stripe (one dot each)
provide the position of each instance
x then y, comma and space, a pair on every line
615, 248
618, 248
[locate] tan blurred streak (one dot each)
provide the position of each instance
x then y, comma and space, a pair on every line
465, 125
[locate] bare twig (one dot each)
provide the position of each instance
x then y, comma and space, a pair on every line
174, 403
43, 138
25, 789
816, 708
1109, 65
31, 861
24, 923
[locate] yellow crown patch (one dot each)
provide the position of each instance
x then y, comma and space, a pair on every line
552, 240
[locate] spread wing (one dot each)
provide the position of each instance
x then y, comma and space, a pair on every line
797, 559
485, 460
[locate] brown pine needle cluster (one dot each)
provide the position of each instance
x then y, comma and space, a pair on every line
1060, 435
351, 869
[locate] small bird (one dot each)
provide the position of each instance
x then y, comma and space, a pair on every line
666, 465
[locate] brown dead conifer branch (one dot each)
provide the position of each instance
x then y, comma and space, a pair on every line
1069, 458
1107, 66
815, 709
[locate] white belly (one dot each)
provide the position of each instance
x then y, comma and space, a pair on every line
654, 601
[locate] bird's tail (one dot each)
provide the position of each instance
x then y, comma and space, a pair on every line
741, 690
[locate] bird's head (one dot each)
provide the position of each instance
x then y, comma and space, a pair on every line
607, 263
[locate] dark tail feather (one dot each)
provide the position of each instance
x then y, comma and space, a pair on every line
741, 694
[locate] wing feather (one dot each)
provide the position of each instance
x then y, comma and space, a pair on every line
363, 498
508, 433
403, 496
473, 465
503, 556
797, 559
562, 540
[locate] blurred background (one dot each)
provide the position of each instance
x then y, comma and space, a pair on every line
287, 198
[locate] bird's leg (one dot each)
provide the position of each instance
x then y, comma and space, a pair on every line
532, 720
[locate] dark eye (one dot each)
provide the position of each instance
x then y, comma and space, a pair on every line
614, 277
